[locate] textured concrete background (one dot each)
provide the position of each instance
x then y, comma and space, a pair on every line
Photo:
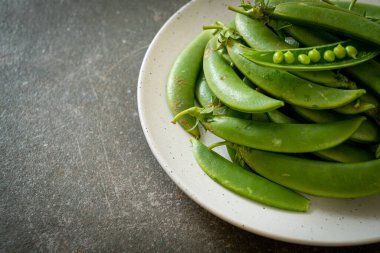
76, 173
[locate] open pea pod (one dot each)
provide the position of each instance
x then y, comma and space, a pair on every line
326, 57
320, 178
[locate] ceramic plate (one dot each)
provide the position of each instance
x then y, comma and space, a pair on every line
329, 221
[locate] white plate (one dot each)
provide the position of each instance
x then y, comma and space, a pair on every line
329, 221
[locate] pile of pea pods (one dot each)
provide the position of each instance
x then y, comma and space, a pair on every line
293, 89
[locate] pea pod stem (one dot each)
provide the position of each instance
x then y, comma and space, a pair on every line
245, 183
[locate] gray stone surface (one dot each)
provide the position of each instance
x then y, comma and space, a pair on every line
76, 173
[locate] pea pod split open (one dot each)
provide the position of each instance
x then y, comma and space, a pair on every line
287, 138
336, 61
245, 183
288, 87
327, 179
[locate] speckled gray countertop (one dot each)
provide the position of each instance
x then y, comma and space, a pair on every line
76, 173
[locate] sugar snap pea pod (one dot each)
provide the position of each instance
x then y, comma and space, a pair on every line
229, 88
203, 94
245, 183
288, 87
308, 36
287, 138
344, 152
320, 178
279, 117
368, 132
236, 159
349, 24
182, 78
371, 11
248, 28
206, 98
363, 104
266, 57
368, 74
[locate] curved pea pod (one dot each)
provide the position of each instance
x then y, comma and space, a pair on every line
229, 88
245, 183
368, 74
287, 138
288, 87
182, 78
320, 178
327, 78
371, 11
344, 152
335, 19
203, 94
266, 57
362, 104
368, 132
206, 98
248, 28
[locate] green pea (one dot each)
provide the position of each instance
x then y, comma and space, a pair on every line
314, 55
304, 59
351, 51
329, 56
278, 57
289, 57
339, 51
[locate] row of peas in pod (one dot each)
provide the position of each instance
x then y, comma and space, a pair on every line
295, 99
314, 55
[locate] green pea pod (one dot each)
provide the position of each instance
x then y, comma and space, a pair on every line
182, 78
344, 22
320, 178
287, 138
248, 28
266, 57
229, 88
308, 36
344, 152
368, 132
206, 98
371, 11
245, 183
362, 104
288, 87
368, 74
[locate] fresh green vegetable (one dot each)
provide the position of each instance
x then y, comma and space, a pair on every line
309, 58
245, 183
182, 78
288, 138
321, 178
